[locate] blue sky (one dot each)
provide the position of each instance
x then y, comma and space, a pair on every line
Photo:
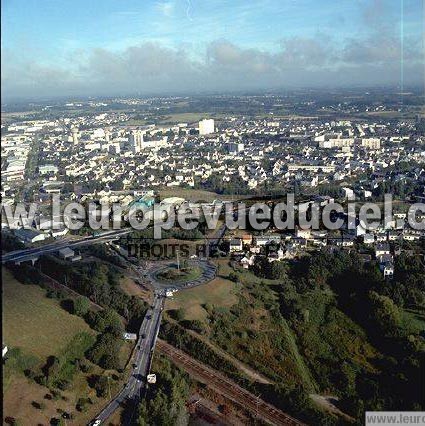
61, 47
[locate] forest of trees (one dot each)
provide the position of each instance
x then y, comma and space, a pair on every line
381, 308
98, 282
361, 337
165, 403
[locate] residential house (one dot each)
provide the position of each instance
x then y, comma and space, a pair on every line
235, 245
368, 238
381, 249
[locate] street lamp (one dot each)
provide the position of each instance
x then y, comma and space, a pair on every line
109, 387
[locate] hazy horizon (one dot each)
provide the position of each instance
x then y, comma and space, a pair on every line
63, 49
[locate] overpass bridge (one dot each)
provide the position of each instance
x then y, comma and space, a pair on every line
32, 254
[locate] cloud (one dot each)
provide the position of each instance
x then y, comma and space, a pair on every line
166, 8
146, 67
152, 67
224, 56
20, 76
306, 52
382, 48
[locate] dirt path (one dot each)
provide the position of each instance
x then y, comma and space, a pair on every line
327, 403
248, 371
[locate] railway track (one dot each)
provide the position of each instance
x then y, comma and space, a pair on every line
220, 383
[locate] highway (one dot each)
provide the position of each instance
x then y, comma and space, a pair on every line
132, 391
31, 253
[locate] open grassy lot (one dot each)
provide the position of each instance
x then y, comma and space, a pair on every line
173, 274
197, 195
249, 328
40, 327
34, 323
219, 293
189, 194
184, 117
175, 118
22, 393
188, 117
249, 332
132, 289
413, 320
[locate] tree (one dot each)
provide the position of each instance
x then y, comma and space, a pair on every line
82, 404
385, 313
51, 369
270, 270
81, 306
209, 307
277, 270
57, 422
107, 321
105, 351
101, 386
179, 314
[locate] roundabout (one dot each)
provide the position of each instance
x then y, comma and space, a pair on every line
173, 274
166, 274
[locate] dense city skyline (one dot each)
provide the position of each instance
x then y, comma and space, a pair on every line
192, 47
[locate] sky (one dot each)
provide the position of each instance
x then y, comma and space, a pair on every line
53, 48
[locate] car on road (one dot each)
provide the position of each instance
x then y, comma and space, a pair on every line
134, 365
148, 317
143, 337
96, 422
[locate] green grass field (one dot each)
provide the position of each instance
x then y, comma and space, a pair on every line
219, 292
40, 327
175, 118
184, 117
172, 274
34, 323
188, 194
413, 320
197, 195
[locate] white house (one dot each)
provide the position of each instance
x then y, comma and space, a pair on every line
303, 233
387, 269
368, 238
247, 261
235, 245
262, 240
